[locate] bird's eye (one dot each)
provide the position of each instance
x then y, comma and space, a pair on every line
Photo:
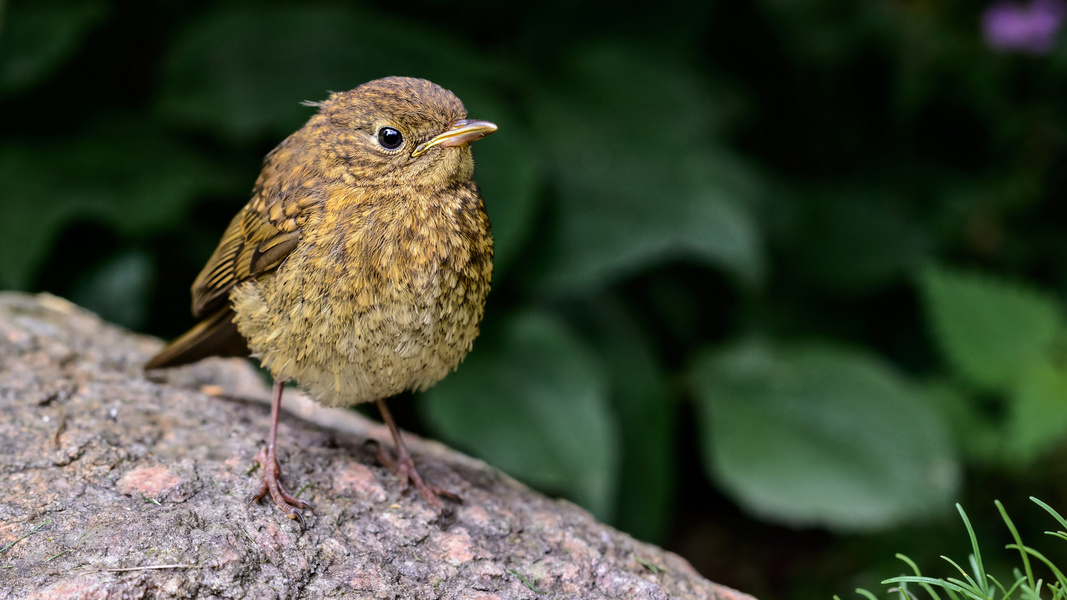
389, 138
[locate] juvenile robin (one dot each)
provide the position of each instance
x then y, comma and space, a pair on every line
360, 267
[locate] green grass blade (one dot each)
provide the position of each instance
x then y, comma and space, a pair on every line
25, 535
915, 568
1051, 511
969, 584
1018, 541
941, 583
1019, 580
976, 556
1048, 563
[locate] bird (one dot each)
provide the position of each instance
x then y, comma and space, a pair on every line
360, 267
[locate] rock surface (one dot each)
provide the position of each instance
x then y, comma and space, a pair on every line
117, 486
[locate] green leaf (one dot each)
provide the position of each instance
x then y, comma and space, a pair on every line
533, 401
37, 37
35, 209
640, 176
131, 178
1037, 418
118, 289
241, 70
810, 434
508, 173
647, 412
854, 240
978, 435
991, 331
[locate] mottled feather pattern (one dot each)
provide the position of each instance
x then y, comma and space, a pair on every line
361, 264
357, 271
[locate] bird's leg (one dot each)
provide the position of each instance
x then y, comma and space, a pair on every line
404, 467
272, 472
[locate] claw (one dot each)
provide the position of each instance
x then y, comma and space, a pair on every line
272, 484
404, 467
272, 472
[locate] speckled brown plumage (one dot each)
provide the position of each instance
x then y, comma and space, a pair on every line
357, 270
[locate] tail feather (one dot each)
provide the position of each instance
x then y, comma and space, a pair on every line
214, 336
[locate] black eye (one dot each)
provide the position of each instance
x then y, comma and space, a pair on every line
389, 138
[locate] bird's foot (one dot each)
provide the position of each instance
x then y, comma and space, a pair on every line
404, 468
272, 484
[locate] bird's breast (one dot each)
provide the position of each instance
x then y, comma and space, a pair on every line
401, 252
377, 299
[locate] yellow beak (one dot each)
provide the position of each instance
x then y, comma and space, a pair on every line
463, 131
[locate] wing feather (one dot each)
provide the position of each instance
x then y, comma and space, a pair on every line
250, 247
257, 240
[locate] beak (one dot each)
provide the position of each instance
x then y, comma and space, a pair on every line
463, 131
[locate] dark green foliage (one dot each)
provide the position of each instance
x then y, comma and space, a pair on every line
807, 258
813, 434
535, 399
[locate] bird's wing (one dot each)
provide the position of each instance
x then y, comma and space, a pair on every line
252, 245
214, 336
265, 231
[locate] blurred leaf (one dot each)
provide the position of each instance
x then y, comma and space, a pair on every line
532, 400
1038, 411
854, 241
37, 37
830, 33
989, 330
644, 403
118, 289
242, 69
641, 178
122, 173
979, 436
810, 434
34, 210
508, 173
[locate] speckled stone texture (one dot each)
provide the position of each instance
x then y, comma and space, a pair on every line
116, 486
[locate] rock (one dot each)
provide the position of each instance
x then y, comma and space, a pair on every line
117, 486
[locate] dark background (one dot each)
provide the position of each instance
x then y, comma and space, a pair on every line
777, 283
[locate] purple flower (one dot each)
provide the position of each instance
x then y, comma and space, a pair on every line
1025, 28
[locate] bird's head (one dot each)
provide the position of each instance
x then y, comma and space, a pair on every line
398, 130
